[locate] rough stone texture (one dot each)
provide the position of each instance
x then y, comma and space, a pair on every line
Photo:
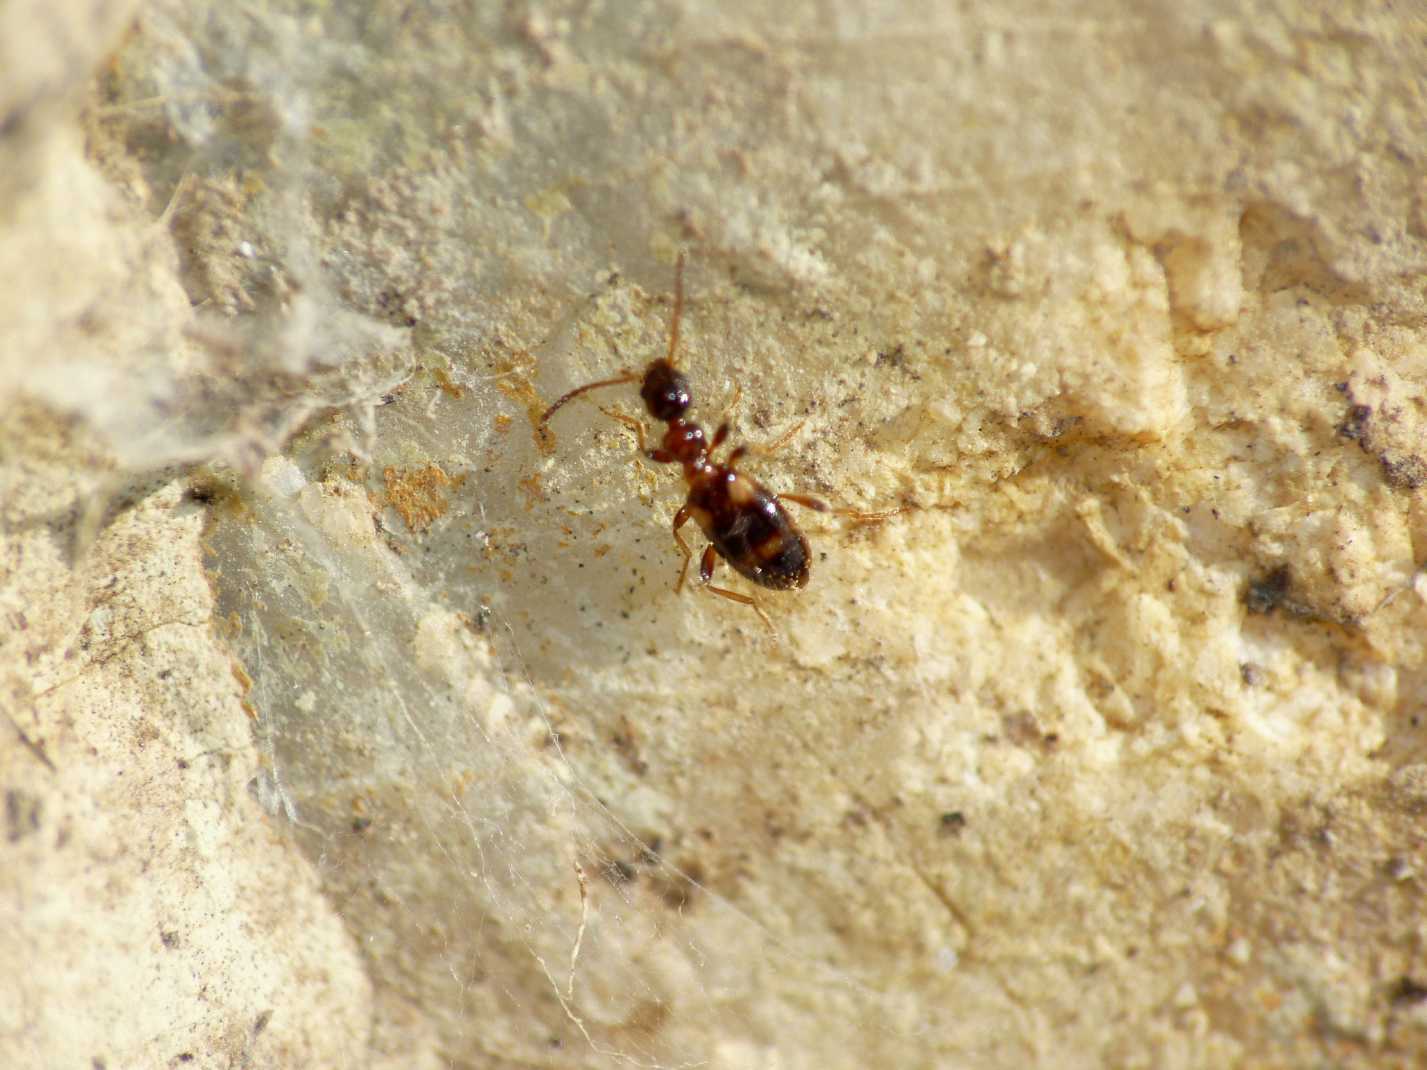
144, 924
1106, 749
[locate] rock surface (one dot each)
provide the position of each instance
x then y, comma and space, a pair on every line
352, 720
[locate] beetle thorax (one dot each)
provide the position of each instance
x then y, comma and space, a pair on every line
685, 442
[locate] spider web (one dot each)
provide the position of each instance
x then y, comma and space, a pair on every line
503, 855
472, 685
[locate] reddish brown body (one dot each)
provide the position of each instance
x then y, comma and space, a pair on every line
744, 522
748, 527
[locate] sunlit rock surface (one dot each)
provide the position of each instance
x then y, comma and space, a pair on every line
352, 719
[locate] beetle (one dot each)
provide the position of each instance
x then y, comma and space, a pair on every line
744, 522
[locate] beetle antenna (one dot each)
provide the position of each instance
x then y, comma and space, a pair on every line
625, 377
633, 376
678, 307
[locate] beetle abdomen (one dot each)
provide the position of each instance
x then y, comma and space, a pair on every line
750, 530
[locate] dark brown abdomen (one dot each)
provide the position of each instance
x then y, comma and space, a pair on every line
750, 530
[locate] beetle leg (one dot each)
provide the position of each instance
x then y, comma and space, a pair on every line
724, 427
783, 439
805, 501
734, 596
740, 452
680, 519
637, 426
706, 567
661, 455
857, 516
737, 397
762, 451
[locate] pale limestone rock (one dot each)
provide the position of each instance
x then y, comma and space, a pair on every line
1105, 751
